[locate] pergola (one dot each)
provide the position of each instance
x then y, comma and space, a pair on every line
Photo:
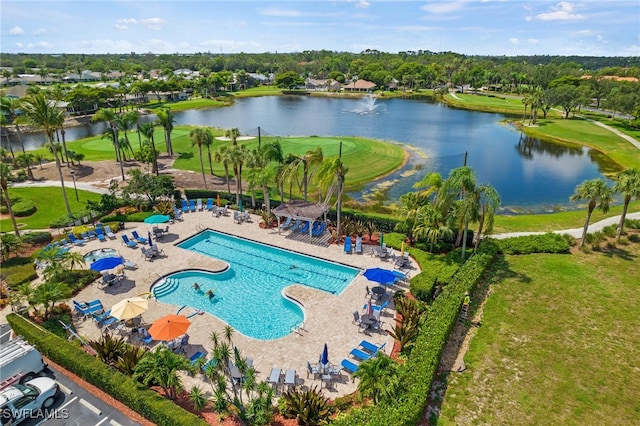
303, 210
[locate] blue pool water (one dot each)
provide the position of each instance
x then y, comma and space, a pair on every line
248, 296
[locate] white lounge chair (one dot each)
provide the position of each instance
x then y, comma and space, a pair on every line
274, 377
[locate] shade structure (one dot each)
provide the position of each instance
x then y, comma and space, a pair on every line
157, 218
324, 358
169, 327
129, 308
380, 275
106, 263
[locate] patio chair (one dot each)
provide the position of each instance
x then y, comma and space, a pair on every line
128, 242
100, 235
295, 226
358, 245
76, 241
178, 214
209, 205
349, 366
108, 232
313, 370
347, 245
290, 378
237, 218
246, 217
138, 238
287, 223
185, 207
225, 211
145, 339
156, 251
199, 204
192, 206
356, 318
274, 377
234, 371
147, 254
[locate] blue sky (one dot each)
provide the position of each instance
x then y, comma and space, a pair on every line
472, 27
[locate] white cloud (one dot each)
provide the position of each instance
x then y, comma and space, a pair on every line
413, 28
106, 45
363, 4
283, 13
16, 31
229, 44
563, 11
40, 45
19, 45
514, 40
154, 24
533, 41
444, 7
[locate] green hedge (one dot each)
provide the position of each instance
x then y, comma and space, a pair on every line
24, 208
126, 390
42, 237
418, 372
543, 243
19, 274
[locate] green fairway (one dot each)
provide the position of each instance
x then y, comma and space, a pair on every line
50, 205
558, 344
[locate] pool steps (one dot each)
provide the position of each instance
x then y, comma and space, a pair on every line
166, 287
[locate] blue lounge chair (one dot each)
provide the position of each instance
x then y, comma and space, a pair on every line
320, 230
304, 228
109, 233
192, 206
358, 245
211, 363
145, 340
185, 207
371, 347
128, 242
315, 227
348, 366
138, 238
76, 241
100, 235
286, 223
361, 355
209, 205
195, 357
295, 226
92, 234
347, 245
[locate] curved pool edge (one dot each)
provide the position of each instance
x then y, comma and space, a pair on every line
161, 279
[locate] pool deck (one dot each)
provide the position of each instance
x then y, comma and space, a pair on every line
328, 317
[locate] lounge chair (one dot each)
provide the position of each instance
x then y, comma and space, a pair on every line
225, 211
348, 366
295, 226
304, 228
128, 242
100, 235
209, 205
371, 347
246, 217
274, 377
185, 207
145, 339
138, 238
212, 363
157, 251
199, 204
235, 373
358, 245
195, 357
290, 378
88, 309
320, 230
147, 254
287, 223
129, 264
108, 232
361, 355
347, 245
178, 214
76, 241
92, 234
237, 218
192, 206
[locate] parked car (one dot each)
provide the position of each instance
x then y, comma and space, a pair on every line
20, 402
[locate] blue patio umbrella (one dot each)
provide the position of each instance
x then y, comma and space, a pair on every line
157, 218
380, 275
106, 263
324, 358
149, 238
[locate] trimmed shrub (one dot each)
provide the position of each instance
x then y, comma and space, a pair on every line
114, 218
544, 243
123, 388
34, 238
24, 208
19, 274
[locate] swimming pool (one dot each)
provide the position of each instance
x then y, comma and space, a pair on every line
94, 255
248, 296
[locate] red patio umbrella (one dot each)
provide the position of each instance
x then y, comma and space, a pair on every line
169, 327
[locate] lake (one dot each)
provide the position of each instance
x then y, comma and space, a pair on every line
531, 175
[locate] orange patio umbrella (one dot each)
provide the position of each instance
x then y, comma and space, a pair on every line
218, 200
169, 327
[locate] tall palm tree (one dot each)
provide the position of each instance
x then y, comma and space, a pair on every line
332, 170
262, 174
308, 161
133, 117
431, 224
238, 155
111, 117
222, 156
147, 130
598, 194
233, 135
457, 191
201, 136
39, 112
5, 174
166, 119
11, 106
489, 202
627, 184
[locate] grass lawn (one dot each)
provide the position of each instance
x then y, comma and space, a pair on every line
195, 103
498, 103
50, 205
559, 344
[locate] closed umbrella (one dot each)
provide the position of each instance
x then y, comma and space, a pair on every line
380, 275
169, 327
402, 249
157, 218
240, 205
324, 358
369, 308
218, 203
106, 263
129, 308
381, 239
149, 238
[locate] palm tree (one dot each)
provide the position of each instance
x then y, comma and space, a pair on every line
237, 156
332, 170
39, 112
26, 160
166, 119
133, 117
233, 135
222, 156
11, 106
598, 194
161, 367
5, 174
48, 294
378, 377
147, 130
627, 184
310, 159
110, 117
201, 136
457, 192
431, 224
262, 174
72, 258
489, 202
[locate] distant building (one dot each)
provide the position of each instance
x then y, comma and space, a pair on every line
359, 86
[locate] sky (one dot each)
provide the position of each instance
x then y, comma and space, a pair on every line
470, 27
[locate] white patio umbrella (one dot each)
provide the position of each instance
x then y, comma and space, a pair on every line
129, 308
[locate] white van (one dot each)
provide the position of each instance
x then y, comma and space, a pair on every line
19, 361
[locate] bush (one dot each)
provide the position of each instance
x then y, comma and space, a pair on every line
34, 238
123, 388
114, 218
544, 243
19, 274
61, 222
24, 208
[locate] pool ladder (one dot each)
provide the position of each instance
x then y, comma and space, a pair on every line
168, 286
298, 327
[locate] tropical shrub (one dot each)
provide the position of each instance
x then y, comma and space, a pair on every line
544, 243
34, 238
24, 208
309, 406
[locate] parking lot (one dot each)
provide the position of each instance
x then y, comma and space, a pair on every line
76, 406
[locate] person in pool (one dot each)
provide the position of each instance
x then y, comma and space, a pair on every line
196, 286
210, 293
